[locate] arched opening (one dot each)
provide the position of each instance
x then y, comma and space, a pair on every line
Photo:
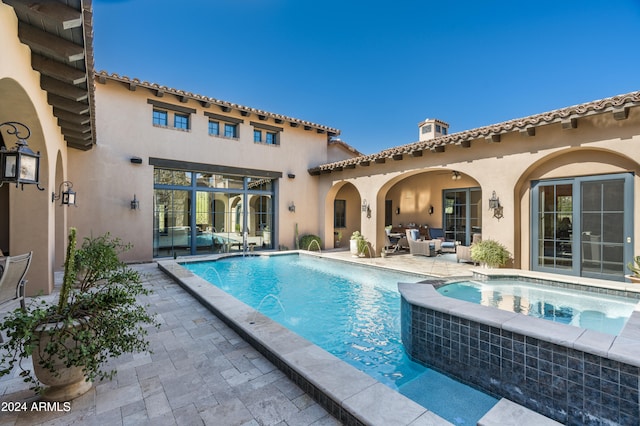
576, 210
24, 214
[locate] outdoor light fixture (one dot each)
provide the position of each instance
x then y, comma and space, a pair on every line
135, 204
291, 176
455, 175
430, 210
20, 165
365, 205
66, 197
494, 203
397, 210
292, 207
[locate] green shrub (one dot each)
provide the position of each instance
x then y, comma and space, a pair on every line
490, 252
307, 242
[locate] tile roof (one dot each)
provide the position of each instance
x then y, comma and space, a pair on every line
207, 101
618, 105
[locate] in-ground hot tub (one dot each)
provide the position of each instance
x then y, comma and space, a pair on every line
571, 374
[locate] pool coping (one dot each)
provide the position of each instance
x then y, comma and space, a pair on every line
349, 394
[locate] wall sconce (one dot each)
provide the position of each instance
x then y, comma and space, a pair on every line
291, 175
135, 204
20, 165
430, 210
365, 205
136, 160
494, 203
292, 207
67, 196
455, 175
397, 210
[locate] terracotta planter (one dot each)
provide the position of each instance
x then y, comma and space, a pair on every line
633, 278
68, 382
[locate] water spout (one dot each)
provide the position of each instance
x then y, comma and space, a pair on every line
268, 296
317, 245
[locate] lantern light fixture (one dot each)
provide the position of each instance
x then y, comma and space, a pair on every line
494, 203
67, 196
19, 165
135, 203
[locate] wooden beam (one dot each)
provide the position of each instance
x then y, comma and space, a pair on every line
245, 113
365, 163
397, 157
294, 124
417, 153
133, 86
58, 70
620, 113
69, 116
529, 131
494, 138
49, 44
350, 166
465, 143
225, 108
77, 135
67, 105
49, 12
75, 127
569, 123
63, 89
380, 160
439, 148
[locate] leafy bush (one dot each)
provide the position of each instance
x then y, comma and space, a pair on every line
490, 252
96, 317
307, 242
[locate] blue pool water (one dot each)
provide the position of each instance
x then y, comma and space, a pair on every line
350, 311
600, 312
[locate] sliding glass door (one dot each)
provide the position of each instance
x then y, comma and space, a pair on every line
583, 226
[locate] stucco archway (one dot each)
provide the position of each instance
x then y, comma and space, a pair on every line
28, 223
351, 200
566, 164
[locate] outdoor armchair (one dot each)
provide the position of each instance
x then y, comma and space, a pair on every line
12, 281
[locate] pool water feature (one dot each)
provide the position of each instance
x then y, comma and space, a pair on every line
352, 312
599, 312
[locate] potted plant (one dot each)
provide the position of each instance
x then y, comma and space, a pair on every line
363, 246
337, 235
634, 267
96, 317
490, 253
353, 242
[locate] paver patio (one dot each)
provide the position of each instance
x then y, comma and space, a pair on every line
200, 372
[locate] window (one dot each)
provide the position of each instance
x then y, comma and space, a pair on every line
272, 138
181, 121
257, 136
444, 130
214, 128
160, 118
426, 129
340, 214
438, 128
230, 130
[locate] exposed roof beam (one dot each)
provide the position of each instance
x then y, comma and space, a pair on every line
67, 104
569, 123
49, 11
380, 160
49, 44
529, 131
397, 157
621, 113
416, 153
58, 70
63, 89
69, 116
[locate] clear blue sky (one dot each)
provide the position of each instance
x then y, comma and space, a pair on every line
374, 69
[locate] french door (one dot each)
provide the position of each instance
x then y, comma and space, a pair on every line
583, 226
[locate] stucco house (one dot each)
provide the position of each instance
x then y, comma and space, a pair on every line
178, 173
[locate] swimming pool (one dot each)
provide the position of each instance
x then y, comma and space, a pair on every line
599, 312
350, 311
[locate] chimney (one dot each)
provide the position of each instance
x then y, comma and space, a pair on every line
432, 128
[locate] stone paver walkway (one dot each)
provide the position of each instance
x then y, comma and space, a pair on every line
200, 373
